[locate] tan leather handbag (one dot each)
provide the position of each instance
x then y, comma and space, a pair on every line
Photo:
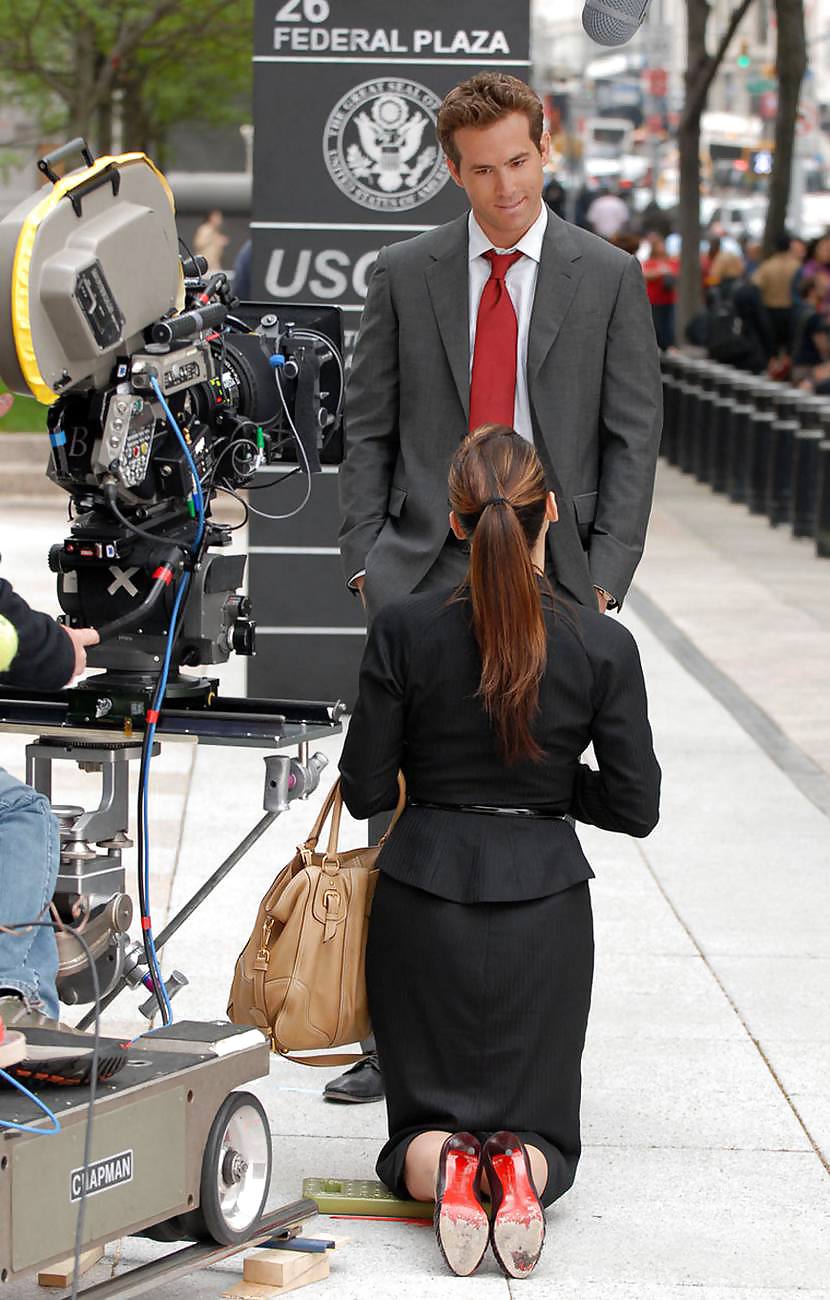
301, 976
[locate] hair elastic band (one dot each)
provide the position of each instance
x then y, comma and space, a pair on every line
496, 501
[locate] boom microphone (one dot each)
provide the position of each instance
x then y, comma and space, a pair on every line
613, 22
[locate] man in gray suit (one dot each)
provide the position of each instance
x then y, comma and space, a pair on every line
587, 379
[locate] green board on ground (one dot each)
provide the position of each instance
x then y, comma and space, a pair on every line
362, 1196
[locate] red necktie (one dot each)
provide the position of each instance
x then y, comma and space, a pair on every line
493, 380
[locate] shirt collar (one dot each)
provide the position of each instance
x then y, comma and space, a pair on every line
530, 243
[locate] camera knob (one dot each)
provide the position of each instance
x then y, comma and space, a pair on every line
55, 553
243, 637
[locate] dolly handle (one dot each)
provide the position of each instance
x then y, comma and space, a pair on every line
78, 145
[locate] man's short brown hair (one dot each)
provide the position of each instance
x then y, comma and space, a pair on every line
482, 100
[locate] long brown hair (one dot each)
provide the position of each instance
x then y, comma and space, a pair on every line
498, 492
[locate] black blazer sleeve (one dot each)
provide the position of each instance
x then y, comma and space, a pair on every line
624, 795
45, 657
373, 749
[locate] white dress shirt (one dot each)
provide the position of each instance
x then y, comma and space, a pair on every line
521, 285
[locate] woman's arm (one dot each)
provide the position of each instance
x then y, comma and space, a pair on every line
624, 795
373, 749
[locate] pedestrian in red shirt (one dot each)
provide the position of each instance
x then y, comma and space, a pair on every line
661, 273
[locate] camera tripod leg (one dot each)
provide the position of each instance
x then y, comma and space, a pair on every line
191, 905
284, 778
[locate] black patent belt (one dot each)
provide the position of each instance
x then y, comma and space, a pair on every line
490, 810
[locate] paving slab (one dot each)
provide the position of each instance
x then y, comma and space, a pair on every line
650, 997
684, 1093
703, 1218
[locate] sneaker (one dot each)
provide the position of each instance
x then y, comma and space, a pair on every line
56, 1055
64, 1057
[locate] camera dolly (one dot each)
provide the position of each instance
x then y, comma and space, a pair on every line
178, 1153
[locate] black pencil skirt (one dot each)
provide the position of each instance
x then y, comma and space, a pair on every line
479, 1011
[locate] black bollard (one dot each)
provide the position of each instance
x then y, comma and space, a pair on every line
702, 436
684, 386
671, 380
719, 443
823, 500
736, 455
808, 409
780, 470
757, 455
805, 474
687, 428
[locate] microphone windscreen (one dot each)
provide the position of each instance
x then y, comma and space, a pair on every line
613, 22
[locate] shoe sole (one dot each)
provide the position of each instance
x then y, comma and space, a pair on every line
518, 1230
65, 1063
67, 1073
461, 1225
347, 1097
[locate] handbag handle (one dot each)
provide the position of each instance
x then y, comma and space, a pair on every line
333, 803
314, 833
334, 831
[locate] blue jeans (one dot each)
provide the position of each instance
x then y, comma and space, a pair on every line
29, 856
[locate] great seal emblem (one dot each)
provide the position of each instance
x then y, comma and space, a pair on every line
379, 145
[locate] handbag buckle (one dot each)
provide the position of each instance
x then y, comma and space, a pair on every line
261, 959
334, 905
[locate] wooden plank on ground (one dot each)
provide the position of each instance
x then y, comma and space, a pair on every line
245, 1290
60, 1274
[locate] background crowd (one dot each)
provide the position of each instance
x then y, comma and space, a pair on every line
760, 313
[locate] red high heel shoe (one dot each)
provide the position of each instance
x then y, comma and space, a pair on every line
517, 1220
462, 1228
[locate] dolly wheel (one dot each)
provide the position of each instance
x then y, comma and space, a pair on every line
236, 1173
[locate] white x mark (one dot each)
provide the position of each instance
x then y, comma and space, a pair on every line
122, 578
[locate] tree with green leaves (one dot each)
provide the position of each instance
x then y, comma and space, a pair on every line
88, 67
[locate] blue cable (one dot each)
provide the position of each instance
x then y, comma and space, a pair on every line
27, 1128
198, 499
199, 503
151, 729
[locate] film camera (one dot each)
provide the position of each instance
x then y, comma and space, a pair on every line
162, 391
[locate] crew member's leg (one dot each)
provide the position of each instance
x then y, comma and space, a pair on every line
29, 854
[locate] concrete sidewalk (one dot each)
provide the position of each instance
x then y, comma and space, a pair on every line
706, 1112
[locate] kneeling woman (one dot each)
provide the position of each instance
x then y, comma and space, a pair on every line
480, 952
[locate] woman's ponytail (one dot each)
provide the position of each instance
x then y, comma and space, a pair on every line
498, 493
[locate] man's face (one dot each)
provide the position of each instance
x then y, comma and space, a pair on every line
500, 170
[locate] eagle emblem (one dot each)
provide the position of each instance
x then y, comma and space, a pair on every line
377, 145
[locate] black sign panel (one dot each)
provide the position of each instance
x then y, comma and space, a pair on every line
346, 94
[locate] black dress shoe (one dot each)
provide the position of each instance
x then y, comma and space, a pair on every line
462, 1228
363, 1082
517, 1218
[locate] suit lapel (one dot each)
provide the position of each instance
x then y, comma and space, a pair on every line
559, 275
448, 284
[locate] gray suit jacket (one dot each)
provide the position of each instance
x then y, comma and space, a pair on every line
595, 396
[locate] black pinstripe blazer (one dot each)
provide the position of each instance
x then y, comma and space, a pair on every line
417, 710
